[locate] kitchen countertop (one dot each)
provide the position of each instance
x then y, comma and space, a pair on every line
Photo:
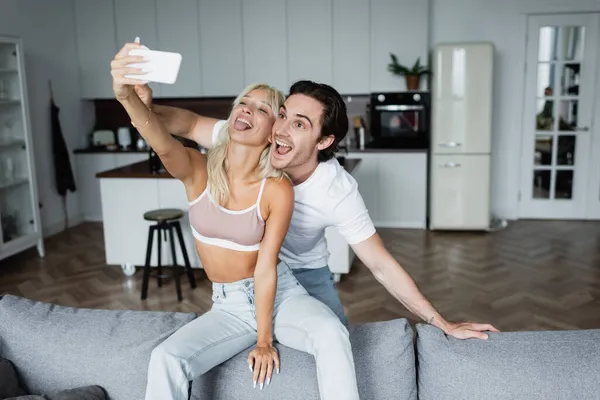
142, 170
372, 150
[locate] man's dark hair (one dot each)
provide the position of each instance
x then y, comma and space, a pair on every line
334, 120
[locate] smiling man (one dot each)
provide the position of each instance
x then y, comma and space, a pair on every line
309, 126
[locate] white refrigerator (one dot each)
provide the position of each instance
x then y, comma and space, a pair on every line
461, 128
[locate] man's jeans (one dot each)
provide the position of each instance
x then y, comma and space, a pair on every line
299, 321
320, 284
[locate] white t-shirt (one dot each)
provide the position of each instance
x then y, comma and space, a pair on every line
329, 197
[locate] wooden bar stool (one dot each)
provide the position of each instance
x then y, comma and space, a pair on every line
166, 220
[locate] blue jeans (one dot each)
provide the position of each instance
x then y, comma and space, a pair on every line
299, 322
319, 283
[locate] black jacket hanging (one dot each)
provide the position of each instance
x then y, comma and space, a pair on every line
63, 174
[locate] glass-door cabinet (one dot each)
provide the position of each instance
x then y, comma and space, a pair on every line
19, 204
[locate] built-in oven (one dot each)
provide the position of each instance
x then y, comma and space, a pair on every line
399, 120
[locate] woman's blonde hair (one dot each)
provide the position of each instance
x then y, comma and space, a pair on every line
217, 164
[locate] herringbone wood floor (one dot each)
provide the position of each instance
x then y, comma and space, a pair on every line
531, 276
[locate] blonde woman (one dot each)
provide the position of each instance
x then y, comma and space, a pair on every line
240, 210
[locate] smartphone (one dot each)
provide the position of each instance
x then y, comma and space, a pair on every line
163, 66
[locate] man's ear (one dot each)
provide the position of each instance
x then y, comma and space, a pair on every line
325, 142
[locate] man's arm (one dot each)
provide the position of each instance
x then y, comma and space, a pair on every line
180, 122
399, 284
353, 222
186, 124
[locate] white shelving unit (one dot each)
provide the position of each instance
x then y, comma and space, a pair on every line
19, 204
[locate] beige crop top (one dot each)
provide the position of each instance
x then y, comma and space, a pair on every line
213, 224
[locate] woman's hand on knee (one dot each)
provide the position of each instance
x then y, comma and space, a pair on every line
261, 361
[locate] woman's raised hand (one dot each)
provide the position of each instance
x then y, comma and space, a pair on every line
119, 67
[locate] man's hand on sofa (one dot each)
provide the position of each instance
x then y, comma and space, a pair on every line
400, 284
468, 330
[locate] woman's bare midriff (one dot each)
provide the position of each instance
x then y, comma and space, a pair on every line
224, 265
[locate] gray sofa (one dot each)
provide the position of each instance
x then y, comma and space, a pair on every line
56, 348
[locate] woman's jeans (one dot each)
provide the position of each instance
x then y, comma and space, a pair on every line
299, 321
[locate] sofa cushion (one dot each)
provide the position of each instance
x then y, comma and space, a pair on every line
84, 393
55, 348
383, 354
9, 380
509, 365
10, 388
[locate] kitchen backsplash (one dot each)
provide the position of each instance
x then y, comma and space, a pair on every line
109, 114
357, 106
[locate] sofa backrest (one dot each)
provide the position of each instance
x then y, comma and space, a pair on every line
509, 365
59, 348
384, 358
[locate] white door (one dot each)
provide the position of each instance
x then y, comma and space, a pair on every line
557, 150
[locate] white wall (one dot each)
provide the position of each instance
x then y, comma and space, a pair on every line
504, 23
47, 29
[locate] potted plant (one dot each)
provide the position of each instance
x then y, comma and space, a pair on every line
412, 75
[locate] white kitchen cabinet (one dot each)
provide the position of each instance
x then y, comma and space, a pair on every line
221, 51
310, 44
137, 18
229, 44
399, 27
88, 186
367, 177
265, 63
462, 191
177, 31
171, 194
341, 255
125, 229
96, 46
351, 57
88, 165
462, 98
394, 187
402, 190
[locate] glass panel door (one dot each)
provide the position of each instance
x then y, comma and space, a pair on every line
559, 98
16, 207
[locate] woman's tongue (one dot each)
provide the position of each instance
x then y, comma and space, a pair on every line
241, 126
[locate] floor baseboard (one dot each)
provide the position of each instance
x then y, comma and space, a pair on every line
53, 229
